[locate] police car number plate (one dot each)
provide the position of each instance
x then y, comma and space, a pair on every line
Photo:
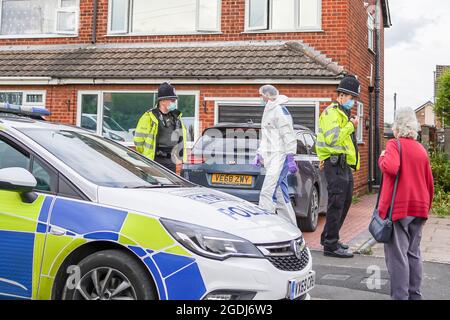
234, 179
300, 286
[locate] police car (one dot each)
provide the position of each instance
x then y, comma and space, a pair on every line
82, 217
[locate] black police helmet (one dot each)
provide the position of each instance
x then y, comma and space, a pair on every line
166, 91
349, 85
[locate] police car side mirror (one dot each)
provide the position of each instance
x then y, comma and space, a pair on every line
19, 180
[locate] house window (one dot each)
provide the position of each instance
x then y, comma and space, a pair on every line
115, 115
142, 17
283, 15
23, 98
23, 18
371, 29
359, 130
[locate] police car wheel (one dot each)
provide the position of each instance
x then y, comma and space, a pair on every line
110, 275
309, 224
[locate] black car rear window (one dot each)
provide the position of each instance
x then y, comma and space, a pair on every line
226, 140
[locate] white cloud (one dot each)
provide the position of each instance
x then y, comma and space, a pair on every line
418, 41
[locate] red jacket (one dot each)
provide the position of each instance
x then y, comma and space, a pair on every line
415, 186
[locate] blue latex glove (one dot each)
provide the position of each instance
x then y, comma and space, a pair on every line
257, 161
292, 166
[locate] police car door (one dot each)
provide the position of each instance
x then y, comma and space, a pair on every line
23, 222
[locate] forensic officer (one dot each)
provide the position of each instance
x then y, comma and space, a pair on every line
276, 152
160, 134
338, 152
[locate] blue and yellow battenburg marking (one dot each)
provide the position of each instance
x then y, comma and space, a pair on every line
30, 258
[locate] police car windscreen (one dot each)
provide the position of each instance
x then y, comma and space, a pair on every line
101, 161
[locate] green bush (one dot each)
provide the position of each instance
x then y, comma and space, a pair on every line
440, 164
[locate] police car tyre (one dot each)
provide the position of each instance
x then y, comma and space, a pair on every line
309, 224
126, 278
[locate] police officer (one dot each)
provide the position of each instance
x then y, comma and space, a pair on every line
338, 152
160, 134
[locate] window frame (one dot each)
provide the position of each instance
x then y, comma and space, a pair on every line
371, 32
218, 21
300, 137
127, 15
100, 95
298, 20
267, 17
311, 150
360, 116
54, 173
55, 33
297, 27
129, 31
75, 10
25, 93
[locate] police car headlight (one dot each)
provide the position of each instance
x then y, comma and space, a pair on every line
210, 243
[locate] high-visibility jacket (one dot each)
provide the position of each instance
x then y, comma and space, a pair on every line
146, 135
335, 136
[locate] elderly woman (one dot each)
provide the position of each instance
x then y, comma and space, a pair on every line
412, 204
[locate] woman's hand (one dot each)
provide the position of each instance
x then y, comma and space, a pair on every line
383, 153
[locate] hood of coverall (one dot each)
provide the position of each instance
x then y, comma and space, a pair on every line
279, 101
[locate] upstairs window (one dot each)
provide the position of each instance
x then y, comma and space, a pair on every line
28, 18
141, 17
283, 15
371, 29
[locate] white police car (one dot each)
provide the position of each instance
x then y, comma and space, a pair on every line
82, 217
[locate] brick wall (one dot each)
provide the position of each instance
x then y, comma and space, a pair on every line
332, 41
361, 59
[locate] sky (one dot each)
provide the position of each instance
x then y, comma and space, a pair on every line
418, 40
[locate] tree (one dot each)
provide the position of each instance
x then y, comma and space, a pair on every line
442, 108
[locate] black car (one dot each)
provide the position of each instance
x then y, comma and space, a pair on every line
221, 159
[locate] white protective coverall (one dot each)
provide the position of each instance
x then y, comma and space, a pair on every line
278, 139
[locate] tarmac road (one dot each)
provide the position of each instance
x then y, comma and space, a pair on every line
348, 279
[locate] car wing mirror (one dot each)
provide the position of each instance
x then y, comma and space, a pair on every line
19, 180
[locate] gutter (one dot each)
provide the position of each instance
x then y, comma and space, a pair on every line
147, 81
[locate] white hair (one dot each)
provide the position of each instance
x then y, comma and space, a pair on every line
269, 92
406, 124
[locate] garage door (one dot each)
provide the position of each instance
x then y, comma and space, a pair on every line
302, 115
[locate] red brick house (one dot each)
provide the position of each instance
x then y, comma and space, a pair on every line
98, 63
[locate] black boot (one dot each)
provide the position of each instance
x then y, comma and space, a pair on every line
339, 253
343, 245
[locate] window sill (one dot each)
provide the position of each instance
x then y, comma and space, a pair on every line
194, 33
361, 143
371, 51
282, 31
39, 36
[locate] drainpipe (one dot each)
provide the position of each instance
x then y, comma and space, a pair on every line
94, 22
371, 162
377, 90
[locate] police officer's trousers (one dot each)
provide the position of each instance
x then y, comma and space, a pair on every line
340, 190
166, 162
